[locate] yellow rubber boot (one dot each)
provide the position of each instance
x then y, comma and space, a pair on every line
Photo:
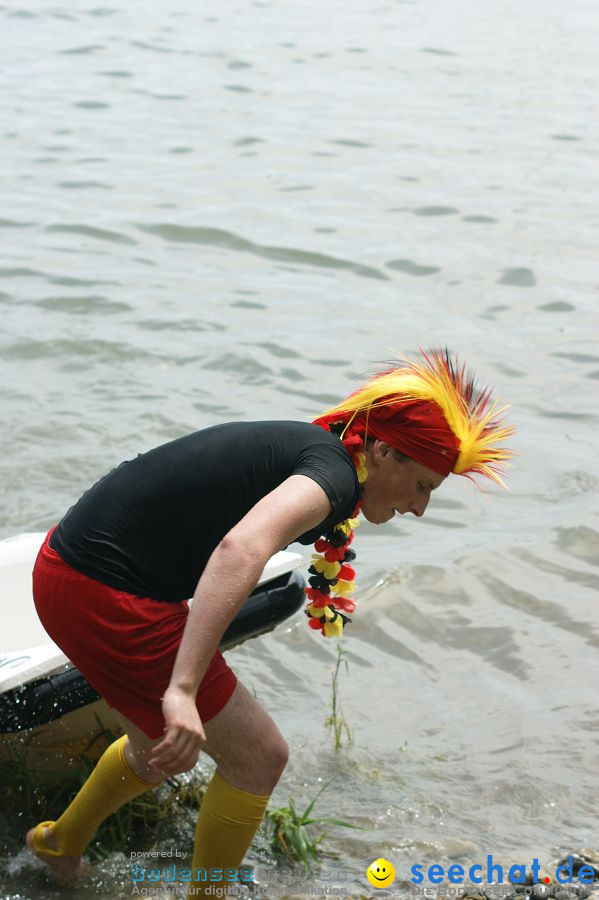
112, 784
227, 822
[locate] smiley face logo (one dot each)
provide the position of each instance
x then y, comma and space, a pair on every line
380, 873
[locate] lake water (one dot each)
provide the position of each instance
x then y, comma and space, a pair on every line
222, 211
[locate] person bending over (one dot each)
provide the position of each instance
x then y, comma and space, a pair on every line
200, 516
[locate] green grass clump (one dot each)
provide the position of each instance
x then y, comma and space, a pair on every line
291, 833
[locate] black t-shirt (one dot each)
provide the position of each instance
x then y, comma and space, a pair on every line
149, 526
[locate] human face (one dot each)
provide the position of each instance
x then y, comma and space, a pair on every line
395, 485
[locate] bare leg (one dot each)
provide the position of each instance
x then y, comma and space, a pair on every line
250, 754
243, 740
138, 751
246, 745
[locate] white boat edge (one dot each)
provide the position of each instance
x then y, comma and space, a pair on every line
26, 663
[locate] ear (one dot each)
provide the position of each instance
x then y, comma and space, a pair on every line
380, 449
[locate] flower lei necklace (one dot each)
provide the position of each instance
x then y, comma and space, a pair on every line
331, 577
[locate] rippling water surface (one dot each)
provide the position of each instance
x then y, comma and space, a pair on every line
227, 211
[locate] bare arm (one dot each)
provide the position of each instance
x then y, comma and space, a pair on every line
233, 569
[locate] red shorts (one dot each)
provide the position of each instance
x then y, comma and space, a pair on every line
124, 645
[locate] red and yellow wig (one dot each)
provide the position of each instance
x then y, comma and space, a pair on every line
428, 409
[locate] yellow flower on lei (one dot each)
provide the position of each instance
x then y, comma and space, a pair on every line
328, 569
334, 629
343, 588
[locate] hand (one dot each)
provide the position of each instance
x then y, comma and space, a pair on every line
184, 734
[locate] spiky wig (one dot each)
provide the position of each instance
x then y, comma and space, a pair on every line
403, 405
